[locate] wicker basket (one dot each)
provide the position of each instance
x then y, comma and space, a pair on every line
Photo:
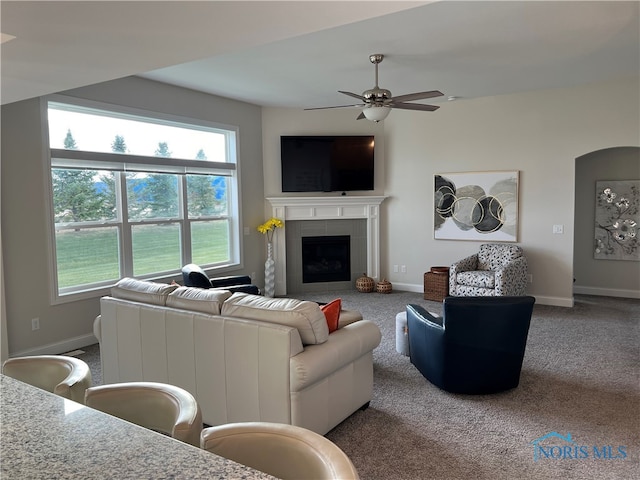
441, 270
436, 285
384, 286
365, 284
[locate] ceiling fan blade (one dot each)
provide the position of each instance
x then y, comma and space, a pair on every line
417, 96
414, 106
354, 95
336, 106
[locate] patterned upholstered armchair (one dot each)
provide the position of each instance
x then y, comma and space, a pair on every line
497, 270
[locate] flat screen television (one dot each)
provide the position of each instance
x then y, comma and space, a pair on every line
326, 163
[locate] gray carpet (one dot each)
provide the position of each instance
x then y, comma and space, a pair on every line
581, 377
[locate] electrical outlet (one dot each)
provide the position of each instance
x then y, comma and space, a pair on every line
395, 269
558, 229
404, 269
35, 324
530, 278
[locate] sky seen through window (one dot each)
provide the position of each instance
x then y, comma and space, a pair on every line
96, 133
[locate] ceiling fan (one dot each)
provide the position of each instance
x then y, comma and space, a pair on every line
378, 102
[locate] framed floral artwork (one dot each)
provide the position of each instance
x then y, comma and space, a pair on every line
476, 206
617, 220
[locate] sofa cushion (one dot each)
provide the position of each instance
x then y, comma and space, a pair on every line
303, 315
142, 291
477, 278
332, 313
198, 299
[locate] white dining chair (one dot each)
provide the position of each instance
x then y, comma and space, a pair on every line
161, 407
282, 450
66, 376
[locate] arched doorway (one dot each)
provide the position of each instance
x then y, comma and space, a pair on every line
592, 276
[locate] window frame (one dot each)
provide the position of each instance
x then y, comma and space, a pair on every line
121, 162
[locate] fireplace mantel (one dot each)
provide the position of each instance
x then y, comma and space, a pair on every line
327, 208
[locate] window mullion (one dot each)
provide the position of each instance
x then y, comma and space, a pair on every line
126, 248
185, 222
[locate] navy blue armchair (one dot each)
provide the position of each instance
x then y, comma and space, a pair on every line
194, 276
476, 347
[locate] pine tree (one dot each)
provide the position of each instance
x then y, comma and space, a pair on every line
69, 141
200, 195
76, 198
162, 150
118, 145
161, 190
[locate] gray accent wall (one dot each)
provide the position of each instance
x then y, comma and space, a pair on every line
27, 270
601, 277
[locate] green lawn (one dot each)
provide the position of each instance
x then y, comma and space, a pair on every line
91, 255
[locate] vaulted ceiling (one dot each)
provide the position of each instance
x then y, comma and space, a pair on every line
299, 54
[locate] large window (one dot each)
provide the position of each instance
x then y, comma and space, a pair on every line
137, 195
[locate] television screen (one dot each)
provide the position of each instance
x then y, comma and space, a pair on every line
326, 163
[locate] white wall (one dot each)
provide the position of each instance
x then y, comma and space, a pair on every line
24, 236
538, 133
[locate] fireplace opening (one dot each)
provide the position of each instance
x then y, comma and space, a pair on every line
326, 259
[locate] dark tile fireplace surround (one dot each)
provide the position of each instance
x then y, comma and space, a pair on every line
304, 231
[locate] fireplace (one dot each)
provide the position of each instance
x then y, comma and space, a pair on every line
326, 259
314, 216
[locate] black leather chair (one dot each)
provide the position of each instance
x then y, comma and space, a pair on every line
476, 347
194, 276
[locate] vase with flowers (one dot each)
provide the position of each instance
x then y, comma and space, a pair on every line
268, 228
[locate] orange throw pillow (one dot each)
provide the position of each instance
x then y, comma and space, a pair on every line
332, 313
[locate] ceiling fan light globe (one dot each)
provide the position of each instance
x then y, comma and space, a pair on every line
376, 113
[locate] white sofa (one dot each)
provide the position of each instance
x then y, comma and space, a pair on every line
244, 357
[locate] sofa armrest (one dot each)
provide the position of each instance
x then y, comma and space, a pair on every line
232, 280
96, 328
426, 341
430, 319
511, 279
465, 265
344, 346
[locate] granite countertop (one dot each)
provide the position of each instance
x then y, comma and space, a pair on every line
44, 436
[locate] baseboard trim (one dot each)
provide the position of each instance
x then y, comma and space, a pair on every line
408, 287
58, 347
554, 301
542, 300
606, 292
